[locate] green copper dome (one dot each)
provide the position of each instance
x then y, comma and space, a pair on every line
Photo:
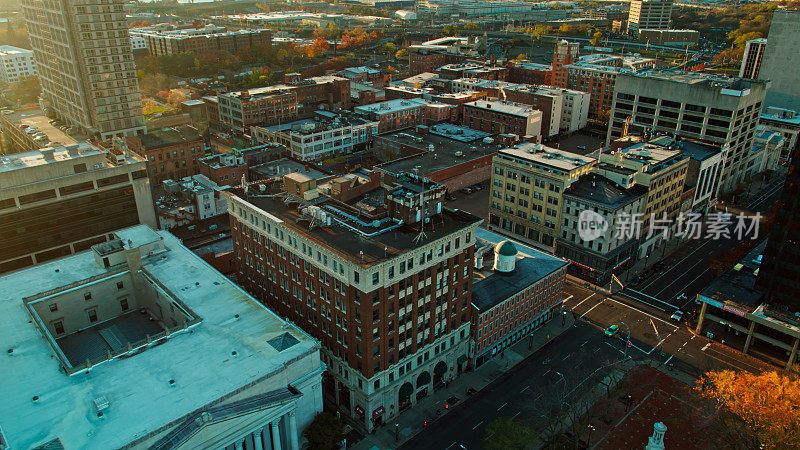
505, 248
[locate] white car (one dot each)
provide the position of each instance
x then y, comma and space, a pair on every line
677, 316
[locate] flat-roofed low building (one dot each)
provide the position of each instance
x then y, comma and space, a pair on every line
105, 343
26, 131
449, 154
500, 117
171, 153
528, 182
394, 114
324, 136
60, 200
597, 259
515, 290
786, 122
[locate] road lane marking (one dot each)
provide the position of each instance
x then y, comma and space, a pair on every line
565, 358
615, 348
448, 447
587, 341
670, 357
501, 406
593, 307
515, 415
654, 298
568, 298
587, 298
628, 292
680, 276
525, 389
705, 347
548, 371
646, 314
678, 264
476, 426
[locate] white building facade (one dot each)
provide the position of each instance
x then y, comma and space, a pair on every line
16, 64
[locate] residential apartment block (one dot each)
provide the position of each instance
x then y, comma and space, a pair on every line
62, 200
503, 118
85, 66
16, 64
139, 343
323, 136
379, 271
718, 110
751, 60
649, 14
528, 182
168, 39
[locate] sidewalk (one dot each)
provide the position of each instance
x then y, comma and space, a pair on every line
411, 421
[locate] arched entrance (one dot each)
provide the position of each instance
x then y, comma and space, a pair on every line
423, 380
404, 396
439, 374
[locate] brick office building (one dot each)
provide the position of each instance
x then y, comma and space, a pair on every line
503, 117
381, 276
517, 295
172, 153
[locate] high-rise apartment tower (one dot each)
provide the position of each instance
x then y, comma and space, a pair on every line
85, 64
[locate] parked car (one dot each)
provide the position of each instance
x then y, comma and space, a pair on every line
466, 190
612, 330
677, 316
478, 187
450, 196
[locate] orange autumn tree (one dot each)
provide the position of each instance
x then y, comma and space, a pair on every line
767, 403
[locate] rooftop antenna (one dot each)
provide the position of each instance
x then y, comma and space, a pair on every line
421, 236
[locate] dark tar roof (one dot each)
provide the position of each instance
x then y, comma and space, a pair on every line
170, 136
738, 286
499, 286
362, 250
601, 190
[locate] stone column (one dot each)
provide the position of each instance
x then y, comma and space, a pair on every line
257, 440
238, 445
336, 392
793, 354
700, 319
749, 339
276, 434
293, 444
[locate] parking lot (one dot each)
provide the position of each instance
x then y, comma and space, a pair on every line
476, 203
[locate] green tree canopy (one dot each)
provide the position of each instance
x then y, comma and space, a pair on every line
506, 434
325, 432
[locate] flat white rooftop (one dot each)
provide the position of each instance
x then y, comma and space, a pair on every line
225, 351
17, 161
546, 156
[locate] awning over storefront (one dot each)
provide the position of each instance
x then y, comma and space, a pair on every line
461, 359
378, 412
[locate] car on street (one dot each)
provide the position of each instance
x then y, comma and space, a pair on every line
612, 330
450, 196
466, 190
478, 187
677, 316
635, 282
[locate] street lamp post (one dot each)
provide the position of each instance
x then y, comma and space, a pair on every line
627, 402
589, 437
396, 432
562, 377
628, 339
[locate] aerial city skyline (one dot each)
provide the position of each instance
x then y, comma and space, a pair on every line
411, 224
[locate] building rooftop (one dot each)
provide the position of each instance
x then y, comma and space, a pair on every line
598, 189
11, 50
142, 388
18, 161
170, 136
737, 287
354, 231
732, 85
452, 145
490, 287
322, 121
486, 84
517, 109
534, 66
390, 106
546, 157
781, 115
286, 166
699, 151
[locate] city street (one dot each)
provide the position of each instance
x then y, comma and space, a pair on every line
582, 349
687, 271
